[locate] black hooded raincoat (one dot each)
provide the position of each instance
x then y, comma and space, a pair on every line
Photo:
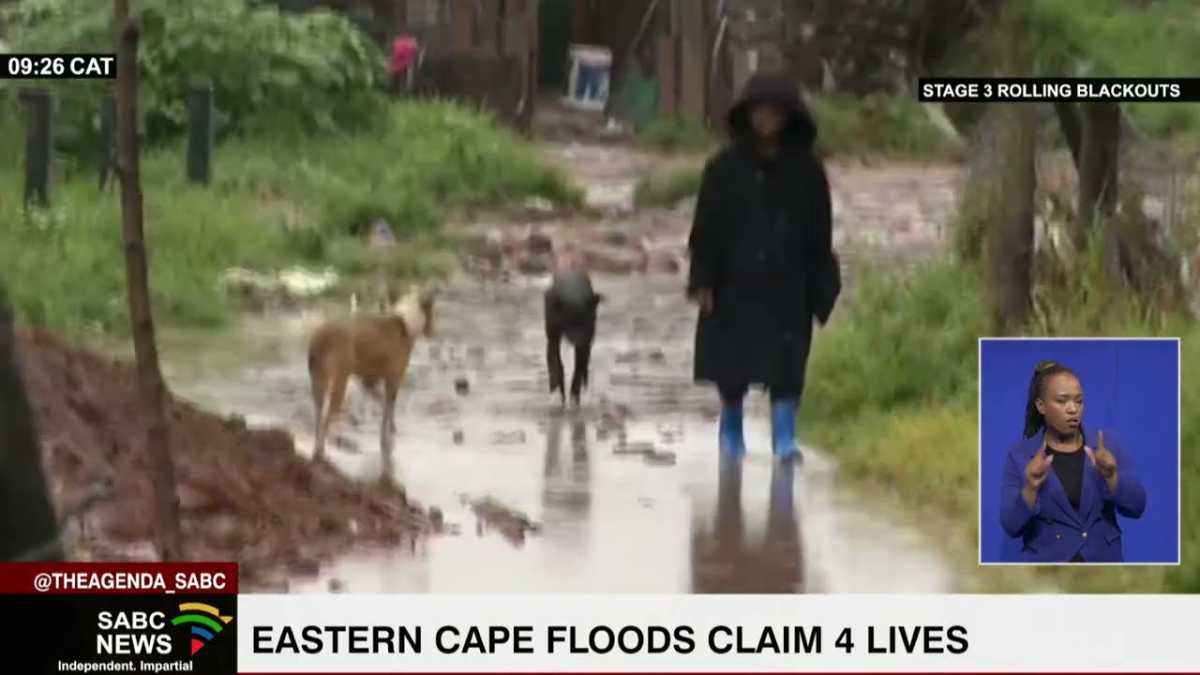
762, 242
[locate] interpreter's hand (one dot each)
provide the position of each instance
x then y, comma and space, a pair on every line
1104, 461
704, 298
1036, 472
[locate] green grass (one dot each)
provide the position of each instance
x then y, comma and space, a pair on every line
877, 124
668, 189
893, 392
1100, 38
676, 134
274, 201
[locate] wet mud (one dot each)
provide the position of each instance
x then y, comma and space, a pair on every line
244, 493
625, 493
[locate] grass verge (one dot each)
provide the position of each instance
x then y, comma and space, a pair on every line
274, 201
893, 391
676, 134
878, 124
667, 190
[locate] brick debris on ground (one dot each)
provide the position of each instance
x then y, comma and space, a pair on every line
245, 494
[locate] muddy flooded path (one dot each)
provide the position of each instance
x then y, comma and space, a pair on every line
624, 494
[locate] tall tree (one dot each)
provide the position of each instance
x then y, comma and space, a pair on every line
1007, 229
1100, 143
1008, 236
151, 389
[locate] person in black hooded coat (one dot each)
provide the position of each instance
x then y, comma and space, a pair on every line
762, 259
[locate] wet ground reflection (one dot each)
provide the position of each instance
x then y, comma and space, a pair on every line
727, 558
628, 490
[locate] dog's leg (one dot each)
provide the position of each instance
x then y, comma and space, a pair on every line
371, 386
579, 378
387, 427
318, 394
337, 396
554, 334
555, 364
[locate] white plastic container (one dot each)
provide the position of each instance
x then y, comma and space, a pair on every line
590, 74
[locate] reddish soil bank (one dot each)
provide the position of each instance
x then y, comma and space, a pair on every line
245, 494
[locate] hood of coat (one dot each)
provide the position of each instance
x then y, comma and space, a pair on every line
777, 88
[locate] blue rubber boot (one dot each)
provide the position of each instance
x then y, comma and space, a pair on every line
783, 429
731, 439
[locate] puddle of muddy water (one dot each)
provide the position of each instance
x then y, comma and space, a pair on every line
612, 517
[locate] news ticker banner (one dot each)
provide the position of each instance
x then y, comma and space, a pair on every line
91, 618
1059, 90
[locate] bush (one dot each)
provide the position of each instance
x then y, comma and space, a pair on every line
876, 124
667, 190
1100, 38
892, 391
275, 200
676, 134
269, 69
903, 339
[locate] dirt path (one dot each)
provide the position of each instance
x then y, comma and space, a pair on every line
625, 494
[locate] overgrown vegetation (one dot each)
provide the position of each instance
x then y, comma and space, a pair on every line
312, 72
677, 134
668, 189
1102, 38
275, 200
878, 124
893, 390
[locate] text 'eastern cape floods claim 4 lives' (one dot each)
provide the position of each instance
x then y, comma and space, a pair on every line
605, 640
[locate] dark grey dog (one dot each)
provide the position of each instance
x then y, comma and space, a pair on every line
571, 306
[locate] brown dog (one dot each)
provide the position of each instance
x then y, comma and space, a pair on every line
373, 347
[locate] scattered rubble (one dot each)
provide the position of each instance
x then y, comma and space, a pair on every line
288, 286
245, 494
462, 386
381, 235
508, 437
511, 525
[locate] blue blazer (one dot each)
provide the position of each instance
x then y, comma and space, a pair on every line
1053, 531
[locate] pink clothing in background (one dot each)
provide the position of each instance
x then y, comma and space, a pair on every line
404, 53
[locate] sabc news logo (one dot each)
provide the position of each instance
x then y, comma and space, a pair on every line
142, 633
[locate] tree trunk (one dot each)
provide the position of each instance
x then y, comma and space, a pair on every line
982, 192
151, 389
1098, 164
1008, 232
1068, 121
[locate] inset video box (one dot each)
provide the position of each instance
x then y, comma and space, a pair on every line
1059, 90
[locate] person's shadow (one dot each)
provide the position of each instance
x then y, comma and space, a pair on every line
723, 561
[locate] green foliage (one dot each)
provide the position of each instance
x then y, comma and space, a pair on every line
424, 157
892, 391
676, 134
668, 189
274, 202
876, 124
902, 339
268, 69
1103, 38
